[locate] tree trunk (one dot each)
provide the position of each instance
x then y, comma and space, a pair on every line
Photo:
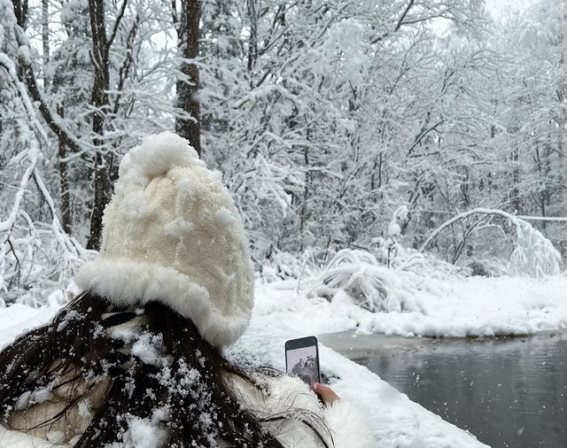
305, 209
189, 127
21, 12
516, 182
45, 40
99, 101
252, 40
66, 219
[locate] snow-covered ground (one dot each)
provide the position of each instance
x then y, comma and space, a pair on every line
457, 307
17, 319
397, 421
475, 306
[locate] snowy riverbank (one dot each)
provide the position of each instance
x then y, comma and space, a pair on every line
466, 307
281, 314
454, 308
458, 307
396, 421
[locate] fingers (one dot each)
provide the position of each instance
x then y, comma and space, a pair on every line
327, 394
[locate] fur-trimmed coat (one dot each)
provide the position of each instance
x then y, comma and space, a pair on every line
347, 427
296, 417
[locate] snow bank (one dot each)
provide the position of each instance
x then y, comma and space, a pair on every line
18, 319
453, 308
397, 422
456, 307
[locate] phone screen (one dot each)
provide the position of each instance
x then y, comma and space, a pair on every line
302, 359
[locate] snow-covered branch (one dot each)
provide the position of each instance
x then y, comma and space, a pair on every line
533, 254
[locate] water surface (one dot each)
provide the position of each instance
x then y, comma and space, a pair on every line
507, 392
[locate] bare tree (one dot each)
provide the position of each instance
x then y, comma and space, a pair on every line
188, 124
101, 44
65, 194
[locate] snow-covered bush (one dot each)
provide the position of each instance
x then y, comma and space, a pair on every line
532, 255
386, 280
391, 253
370, 284
285, 266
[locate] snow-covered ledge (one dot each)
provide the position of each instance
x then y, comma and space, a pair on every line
397, 421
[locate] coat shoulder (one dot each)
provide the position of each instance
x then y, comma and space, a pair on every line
16, 439
304, 420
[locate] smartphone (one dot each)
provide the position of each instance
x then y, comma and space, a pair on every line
302, 359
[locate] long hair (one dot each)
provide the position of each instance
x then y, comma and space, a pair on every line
169, 371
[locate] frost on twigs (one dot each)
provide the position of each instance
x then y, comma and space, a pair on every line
36, 255
532, 255
285, 266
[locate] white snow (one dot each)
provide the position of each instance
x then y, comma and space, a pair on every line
85, 408
143, 433
32, 397
457, 307
454, 308
69, 317
148, 349
18, 319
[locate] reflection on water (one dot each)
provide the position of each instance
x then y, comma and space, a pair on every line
507, 392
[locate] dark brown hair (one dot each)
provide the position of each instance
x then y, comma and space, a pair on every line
76, 346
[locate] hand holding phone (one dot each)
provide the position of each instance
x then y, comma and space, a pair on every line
302, 359
325, 394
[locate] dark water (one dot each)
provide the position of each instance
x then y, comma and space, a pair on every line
507, 392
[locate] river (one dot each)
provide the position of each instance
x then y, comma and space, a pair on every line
508, 392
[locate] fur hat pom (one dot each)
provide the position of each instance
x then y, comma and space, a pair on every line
172, 234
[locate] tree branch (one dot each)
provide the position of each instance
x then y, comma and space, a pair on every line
174, 15
398, 24
126, 65
116, 25
423, 134
48, 115
403, 16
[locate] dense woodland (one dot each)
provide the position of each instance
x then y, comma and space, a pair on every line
335, 123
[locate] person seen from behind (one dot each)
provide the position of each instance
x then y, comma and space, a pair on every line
136, 360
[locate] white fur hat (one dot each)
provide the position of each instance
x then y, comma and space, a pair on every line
172, 234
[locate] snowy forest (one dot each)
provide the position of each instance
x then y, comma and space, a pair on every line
400, 168
336, 125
